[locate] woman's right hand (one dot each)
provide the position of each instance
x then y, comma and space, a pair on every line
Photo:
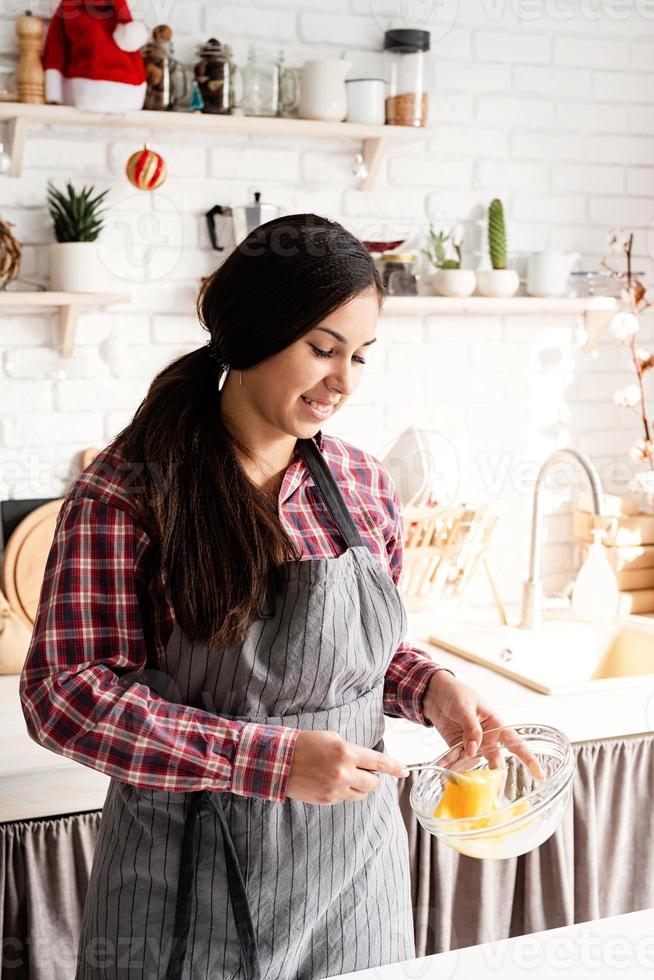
327, 769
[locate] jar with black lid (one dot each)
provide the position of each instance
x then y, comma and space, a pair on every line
406, 77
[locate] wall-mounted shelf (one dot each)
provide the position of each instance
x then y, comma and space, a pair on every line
69, 304
374, 140
595, 310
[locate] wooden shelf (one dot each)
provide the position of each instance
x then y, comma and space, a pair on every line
69, 304
595, 310
375, 140
500, 306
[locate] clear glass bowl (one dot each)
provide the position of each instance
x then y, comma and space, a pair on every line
530, 809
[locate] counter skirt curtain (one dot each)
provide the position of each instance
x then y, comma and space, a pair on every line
45, 867
599, 863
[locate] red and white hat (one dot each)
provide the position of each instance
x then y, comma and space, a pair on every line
91, 56
129, 35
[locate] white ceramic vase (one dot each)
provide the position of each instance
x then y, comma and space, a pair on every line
497, 282
455, 282
76, 267
322, 89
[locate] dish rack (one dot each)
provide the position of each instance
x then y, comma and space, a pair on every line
443, 549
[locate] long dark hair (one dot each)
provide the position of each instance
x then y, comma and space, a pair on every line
220, 539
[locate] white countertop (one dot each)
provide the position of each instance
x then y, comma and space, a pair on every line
38, 783
622, 945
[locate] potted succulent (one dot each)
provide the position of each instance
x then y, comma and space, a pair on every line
498, 281
75, 265
443, 252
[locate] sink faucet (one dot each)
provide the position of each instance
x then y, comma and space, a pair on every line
532, 595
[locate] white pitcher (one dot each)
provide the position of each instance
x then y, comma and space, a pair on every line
322, 89
548, 272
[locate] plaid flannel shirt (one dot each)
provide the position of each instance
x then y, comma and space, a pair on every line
103, 613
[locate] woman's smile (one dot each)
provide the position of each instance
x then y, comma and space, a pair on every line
319, 410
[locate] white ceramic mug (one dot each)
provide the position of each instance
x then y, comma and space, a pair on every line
365, 100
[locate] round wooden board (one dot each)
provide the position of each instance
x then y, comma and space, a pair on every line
25, 559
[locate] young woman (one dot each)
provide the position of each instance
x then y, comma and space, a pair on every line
220, 631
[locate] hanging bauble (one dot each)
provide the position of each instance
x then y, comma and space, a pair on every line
146, 169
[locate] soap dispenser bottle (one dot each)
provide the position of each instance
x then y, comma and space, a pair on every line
596, 595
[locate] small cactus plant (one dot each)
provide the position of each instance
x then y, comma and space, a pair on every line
496, 234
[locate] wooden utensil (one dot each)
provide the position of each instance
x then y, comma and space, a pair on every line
30, 77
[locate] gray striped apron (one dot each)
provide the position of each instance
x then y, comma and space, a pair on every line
214, 885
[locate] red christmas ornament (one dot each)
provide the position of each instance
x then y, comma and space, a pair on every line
146, 169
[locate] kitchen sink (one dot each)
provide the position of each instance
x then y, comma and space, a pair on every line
561, 657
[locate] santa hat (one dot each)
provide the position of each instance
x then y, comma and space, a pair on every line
93, 61
129, 35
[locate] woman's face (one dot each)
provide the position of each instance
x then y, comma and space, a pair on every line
324, 366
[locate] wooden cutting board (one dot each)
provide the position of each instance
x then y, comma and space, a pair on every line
25, 559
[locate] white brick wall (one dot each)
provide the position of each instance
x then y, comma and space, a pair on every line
546, 104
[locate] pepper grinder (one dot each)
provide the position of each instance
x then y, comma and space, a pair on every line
30, 77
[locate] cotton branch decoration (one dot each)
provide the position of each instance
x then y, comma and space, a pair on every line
624, 326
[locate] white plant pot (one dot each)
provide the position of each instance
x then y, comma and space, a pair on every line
455, 282
76, 267
497, 282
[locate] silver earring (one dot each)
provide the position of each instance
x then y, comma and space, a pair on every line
240, 378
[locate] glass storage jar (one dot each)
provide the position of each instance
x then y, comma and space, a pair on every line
166, 78
8, 85
213, 72
261, 80
398, 277
406, 77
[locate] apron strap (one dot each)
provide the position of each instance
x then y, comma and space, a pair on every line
187, 861
235, 888
330, 491
239, 897
331, 494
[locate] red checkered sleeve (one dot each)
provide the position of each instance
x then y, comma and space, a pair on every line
80, 690
411, 669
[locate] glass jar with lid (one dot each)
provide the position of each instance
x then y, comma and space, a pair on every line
214, 74
406, 77
398, 277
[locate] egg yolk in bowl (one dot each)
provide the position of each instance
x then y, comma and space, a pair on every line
474, 799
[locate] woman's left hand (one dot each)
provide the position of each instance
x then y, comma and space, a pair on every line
461, 715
